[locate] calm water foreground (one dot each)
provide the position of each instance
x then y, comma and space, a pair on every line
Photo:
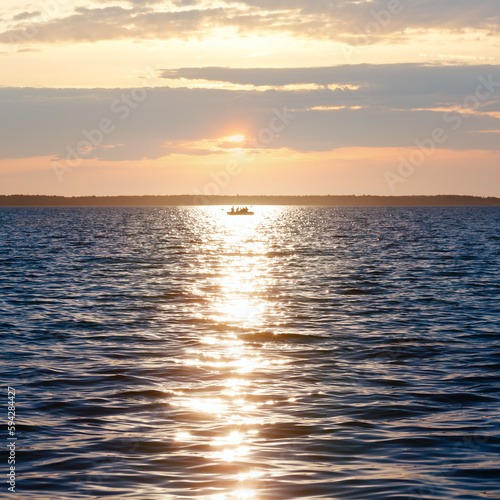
302, 353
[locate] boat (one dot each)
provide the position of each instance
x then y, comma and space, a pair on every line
240, 211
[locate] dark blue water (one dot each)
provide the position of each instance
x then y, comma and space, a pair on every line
302, 353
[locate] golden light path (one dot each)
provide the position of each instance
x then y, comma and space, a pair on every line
233, 404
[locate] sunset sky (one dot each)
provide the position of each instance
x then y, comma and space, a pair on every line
250, 97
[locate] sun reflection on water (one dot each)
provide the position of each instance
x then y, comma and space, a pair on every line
236, 495
232, 406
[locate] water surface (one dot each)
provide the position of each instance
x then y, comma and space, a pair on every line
302, 353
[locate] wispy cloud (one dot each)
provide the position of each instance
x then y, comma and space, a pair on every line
362, 22
383, 79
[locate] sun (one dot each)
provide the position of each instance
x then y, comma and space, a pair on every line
235, 138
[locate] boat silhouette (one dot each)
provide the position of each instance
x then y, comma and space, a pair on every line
240, 211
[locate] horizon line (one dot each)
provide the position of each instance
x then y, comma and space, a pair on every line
18, 200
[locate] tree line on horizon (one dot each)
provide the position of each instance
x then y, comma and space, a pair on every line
193, 200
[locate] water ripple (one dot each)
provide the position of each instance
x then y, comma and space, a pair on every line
305, 353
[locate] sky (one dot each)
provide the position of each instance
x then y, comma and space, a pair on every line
133, 97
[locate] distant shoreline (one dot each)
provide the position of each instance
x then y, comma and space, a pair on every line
193, 200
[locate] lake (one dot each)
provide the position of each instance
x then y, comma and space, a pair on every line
300, 353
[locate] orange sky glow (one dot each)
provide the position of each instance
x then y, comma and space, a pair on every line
339, 97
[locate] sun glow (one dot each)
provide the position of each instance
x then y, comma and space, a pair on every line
235, 138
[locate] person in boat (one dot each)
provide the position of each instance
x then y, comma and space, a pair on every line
232, 210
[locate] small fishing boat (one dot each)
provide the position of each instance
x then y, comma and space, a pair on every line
240, 211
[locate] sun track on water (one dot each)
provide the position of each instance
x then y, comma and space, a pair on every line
235, 401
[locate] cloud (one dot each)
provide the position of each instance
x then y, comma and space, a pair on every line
394, 106
391, 16
344, 21
85, 25
26, 15
382, 79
